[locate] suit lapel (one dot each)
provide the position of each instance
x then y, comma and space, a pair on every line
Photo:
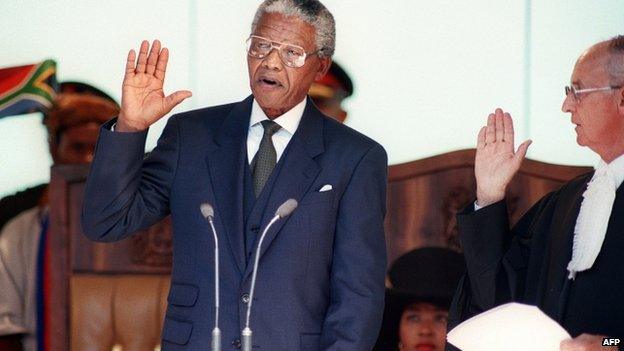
225, 159
297, 173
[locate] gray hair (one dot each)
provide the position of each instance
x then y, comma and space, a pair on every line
310, 11
615, 63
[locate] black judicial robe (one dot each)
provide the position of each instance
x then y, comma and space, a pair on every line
528, 264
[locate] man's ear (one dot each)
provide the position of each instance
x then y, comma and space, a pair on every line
323, 68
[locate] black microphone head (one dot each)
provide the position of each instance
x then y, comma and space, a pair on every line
286, 208
206, 210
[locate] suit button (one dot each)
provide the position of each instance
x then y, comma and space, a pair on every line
255, 229
245, 298
236, 343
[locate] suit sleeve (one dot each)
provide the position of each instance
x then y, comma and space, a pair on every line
359, 259
496, 257
125, 192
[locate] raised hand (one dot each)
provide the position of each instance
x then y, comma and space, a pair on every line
143, 101
496, 162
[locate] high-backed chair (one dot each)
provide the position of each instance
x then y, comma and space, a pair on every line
103, 296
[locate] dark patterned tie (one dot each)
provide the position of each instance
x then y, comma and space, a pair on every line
265, 158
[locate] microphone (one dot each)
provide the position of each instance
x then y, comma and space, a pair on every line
286, 208
283, 211
208, 212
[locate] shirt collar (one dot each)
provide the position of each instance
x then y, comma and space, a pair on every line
615, 167
289, 121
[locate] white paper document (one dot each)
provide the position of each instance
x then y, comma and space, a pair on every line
510, 327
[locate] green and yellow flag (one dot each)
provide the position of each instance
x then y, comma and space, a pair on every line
26, 89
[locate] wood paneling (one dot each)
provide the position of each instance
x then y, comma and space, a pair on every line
424, 196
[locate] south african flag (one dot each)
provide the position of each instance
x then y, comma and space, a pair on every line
26, 89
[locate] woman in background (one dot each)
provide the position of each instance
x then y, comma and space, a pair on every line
422, 283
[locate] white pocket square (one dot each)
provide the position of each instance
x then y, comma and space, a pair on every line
326, 187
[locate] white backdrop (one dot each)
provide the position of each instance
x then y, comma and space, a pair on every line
426, 73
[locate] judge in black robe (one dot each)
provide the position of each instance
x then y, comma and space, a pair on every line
528, 263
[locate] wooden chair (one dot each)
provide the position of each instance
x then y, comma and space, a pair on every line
103, 296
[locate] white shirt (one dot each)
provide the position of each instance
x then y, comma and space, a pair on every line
289, 122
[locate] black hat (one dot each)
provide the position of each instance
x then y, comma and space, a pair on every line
429, 275
74, 87
77, 103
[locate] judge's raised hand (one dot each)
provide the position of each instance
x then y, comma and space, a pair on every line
586, 342
496, 162
143, 101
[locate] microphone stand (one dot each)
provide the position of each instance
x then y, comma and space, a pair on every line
208, 213
283, 211
247, 333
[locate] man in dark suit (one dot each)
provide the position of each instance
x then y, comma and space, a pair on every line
565, 253
320, 279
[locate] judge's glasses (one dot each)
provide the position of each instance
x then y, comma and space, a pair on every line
576, 93
292, 55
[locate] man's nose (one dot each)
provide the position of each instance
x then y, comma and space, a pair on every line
568, 103
272, 60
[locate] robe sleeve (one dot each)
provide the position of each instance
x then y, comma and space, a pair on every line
496, 257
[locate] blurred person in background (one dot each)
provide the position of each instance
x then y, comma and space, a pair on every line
422, 282
329, 92
74, 148
73, 125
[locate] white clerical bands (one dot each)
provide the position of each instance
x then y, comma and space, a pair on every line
593, 219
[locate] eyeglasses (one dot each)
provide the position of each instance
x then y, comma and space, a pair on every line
292, 55
576, 93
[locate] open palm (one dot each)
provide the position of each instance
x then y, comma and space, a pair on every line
143, 101
496, 162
